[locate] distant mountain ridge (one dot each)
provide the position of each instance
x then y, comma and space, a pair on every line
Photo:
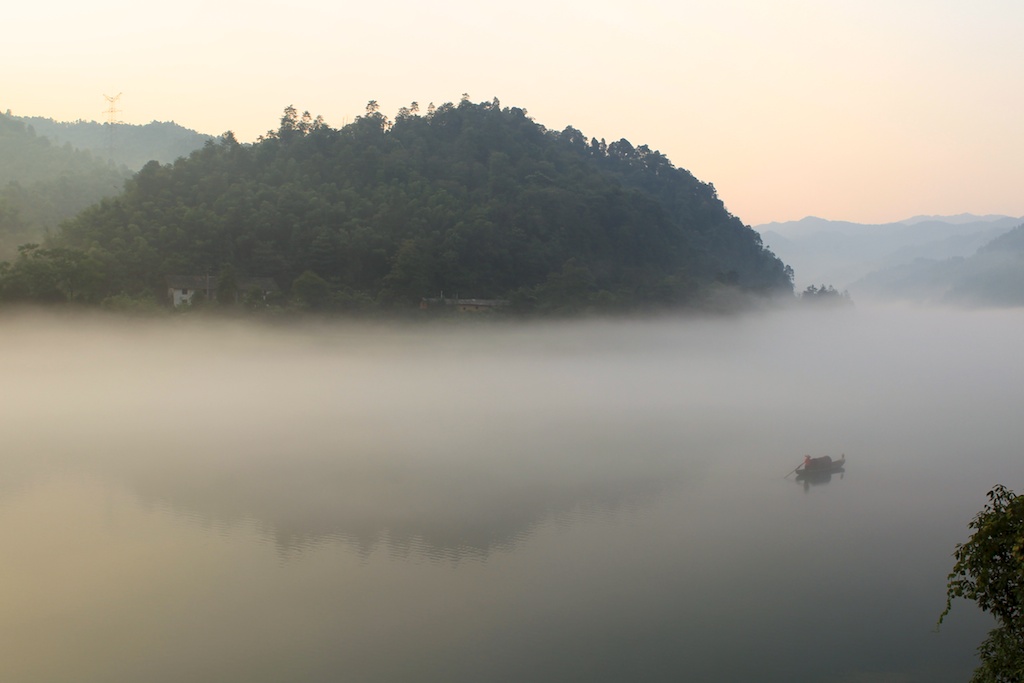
121, 143
955, 220
43, 183
843, 253
992, 276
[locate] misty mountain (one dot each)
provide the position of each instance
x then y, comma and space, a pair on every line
471, 200
121, 143
841, 253
993, 276
959, 219
43, 183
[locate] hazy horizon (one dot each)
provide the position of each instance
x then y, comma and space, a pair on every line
868, 112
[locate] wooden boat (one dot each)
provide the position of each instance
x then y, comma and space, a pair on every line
820, 466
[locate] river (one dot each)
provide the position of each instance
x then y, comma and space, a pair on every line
190, 500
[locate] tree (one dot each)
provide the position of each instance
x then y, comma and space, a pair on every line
311, 291
823, 294
54, 275
989, 570
75, 274
227, 286
30, 278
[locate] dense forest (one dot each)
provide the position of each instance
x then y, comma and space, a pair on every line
464, 200
42, 184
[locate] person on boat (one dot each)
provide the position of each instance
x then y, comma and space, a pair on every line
824, 462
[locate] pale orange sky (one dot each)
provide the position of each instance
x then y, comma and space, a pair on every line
866, 110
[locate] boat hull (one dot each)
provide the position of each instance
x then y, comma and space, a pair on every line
816, 470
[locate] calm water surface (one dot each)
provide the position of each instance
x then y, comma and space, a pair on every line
588, 501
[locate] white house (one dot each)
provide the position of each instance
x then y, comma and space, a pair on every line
182, 288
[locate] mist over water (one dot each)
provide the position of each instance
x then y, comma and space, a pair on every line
598, 500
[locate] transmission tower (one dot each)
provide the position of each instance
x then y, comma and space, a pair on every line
112, 111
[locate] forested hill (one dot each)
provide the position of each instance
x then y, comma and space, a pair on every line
125, 144
42, 184
471, 200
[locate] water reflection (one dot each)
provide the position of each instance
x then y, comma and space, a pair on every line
466, 506
816, 479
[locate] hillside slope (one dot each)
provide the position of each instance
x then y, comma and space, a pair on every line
121, 143
42, 184
993, 276
469, 199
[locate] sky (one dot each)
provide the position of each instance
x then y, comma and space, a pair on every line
868, 111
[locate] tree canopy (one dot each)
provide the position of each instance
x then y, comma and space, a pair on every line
826, 294
471, 200
989, 570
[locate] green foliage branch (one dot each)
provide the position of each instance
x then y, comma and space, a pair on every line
989, 570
